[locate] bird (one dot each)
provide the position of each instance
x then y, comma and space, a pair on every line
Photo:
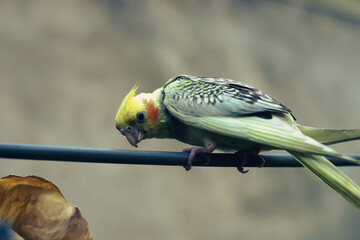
219, 113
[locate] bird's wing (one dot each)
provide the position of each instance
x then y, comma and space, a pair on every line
202, 96
277, 130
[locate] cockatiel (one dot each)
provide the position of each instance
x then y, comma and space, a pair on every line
219, 113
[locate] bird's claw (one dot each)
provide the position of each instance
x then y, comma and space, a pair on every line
241, 169
198, 150
261, 161
187, 167
243, 155
240, 166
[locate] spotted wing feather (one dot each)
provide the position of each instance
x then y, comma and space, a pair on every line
203, 96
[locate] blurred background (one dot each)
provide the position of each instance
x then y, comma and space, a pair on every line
65, 67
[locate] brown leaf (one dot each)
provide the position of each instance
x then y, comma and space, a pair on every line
36, 209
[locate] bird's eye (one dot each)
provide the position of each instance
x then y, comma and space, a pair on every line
140, 117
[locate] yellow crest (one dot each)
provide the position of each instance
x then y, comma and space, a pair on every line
128, 108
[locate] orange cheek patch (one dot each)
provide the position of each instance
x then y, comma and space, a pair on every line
152, 112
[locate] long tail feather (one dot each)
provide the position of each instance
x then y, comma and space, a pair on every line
278, 132
329, 136
331, 175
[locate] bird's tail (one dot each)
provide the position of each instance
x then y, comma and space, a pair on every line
329, 136
331, 175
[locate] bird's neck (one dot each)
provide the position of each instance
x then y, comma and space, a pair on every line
157, 114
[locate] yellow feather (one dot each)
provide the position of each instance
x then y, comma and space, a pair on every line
128, 108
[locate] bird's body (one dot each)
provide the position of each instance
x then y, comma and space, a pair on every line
229, 115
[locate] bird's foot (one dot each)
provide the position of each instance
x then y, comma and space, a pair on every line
196, 150
252, 153
240, 166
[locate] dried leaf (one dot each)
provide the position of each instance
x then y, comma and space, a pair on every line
36, 209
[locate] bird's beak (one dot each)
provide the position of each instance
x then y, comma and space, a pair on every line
132, 134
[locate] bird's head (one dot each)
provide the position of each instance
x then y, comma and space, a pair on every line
140, 116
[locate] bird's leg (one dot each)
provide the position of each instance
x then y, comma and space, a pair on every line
254, 153
196, 150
